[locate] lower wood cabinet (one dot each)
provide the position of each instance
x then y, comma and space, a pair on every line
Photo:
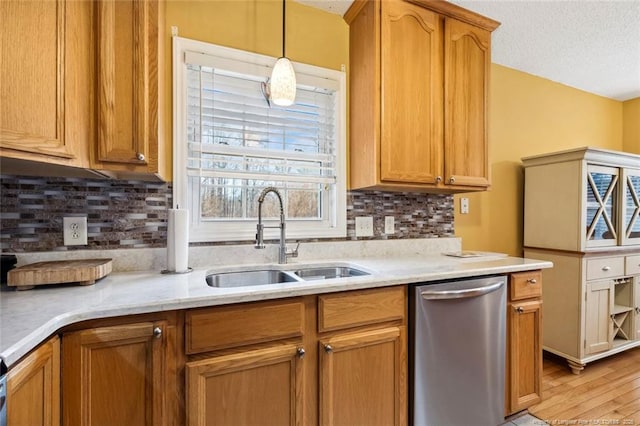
362, 378
119, 374
33, 388
331, 359
335, 359
524, 341
250, 388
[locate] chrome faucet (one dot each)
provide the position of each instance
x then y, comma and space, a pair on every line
282, 252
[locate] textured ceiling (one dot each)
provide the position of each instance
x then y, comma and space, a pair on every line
590, 45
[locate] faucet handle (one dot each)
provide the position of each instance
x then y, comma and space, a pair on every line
260, 236
294, 252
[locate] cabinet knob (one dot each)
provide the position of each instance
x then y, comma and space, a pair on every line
157, 332
519, 309
328, 349
438, 179
140, 156
301, 352
532, 281
452, 180
606, 268
637, 310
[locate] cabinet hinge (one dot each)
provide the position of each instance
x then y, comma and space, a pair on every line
585, 344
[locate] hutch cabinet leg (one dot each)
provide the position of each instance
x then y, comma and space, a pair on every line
576, 367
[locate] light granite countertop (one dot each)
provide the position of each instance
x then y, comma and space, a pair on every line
27, 318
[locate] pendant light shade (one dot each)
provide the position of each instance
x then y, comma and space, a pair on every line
283, 78
283, 83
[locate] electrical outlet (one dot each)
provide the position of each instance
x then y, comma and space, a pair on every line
389, 227
74, 230
464, 206
364, 226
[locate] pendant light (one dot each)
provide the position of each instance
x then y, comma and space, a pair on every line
283, 78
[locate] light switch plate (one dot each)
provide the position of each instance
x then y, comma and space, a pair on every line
389, 226
74, 229
364, 226
464, 205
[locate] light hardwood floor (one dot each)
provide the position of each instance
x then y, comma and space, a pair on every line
607, 392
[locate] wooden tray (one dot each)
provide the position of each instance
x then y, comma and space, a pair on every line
81, 271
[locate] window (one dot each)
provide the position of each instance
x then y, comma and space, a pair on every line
229, 144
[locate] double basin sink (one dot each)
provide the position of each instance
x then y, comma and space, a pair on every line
271, 275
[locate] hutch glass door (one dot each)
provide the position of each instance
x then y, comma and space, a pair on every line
602, 206
631, 207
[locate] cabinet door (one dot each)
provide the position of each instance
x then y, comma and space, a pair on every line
467, 59
250, 388
33, 63
33, 388
116, 375
602, 206
636, 289
631, 206
363, 378
411, 85
525, 355
598, 327
127, 82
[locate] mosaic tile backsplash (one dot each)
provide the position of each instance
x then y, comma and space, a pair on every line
132, 214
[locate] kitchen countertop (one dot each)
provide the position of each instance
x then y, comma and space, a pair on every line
27, 318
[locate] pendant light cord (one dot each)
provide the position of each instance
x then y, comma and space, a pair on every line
284, 14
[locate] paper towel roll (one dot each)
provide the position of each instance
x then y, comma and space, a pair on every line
178, 240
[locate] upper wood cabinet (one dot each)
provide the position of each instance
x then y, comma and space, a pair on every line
418, 96
79, 87
127, 81
45, 81
33, 387
467, 59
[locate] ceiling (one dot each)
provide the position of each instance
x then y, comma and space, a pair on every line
592, 45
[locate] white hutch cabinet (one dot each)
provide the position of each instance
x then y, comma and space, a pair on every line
581, 212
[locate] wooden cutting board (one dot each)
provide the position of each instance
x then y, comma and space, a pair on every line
81, 271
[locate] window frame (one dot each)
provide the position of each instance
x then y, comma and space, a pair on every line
333, 226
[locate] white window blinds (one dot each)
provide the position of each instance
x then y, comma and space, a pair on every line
236, 144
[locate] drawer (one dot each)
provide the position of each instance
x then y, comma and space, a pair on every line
525, 285
608, 267
221, 327
632, 265
354, 308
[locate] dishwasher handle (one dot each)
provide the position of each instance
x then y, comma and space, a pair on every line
460, 293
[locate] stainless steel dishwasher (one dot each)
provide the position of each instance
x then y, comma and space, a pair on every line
458, 352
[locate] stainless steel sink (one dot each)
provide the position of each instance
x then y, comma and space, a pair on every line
270, 275
249, 278
329, 272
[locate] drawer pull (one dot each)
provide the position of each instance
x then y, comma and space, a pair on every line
157, 332
606, 268
301, 352
519, 309
532, 281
